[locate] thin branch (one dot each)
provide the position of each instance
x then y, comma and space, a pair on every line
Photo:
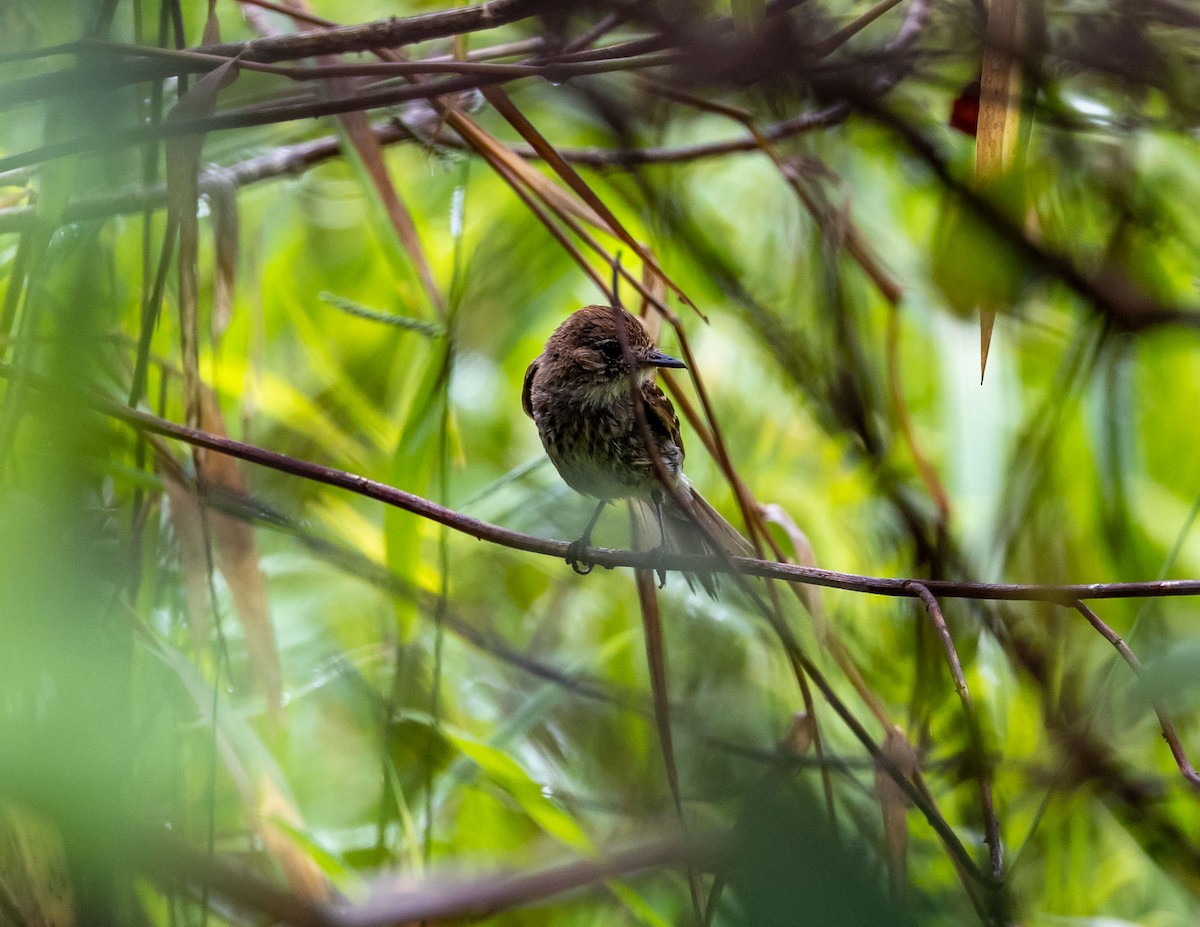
991, 823
384, 33
609, 558
483, 897
196, 61
1170, 735
170, 861
266, 115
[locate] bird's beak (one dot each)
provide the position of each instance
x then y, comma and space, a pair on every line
656, 358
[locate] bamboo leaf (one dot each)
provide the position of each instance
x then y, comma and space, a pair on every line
183, 193
529, 795
999, 132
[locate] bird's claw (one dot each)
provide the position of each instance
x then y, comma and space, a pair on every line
575, 557
655, 558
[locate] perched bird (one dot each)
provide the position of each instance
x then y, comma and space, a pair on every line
579, 393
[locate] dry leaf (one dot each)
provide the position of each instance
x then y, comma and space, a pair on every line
303, 874
183, 193
34, 876
999, 118
803, 550
212, 27
497, 153
655, 295
223, 203
236, 555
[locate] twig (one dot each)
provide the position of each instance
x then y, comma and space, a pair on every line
483, 897
1065, 593
169, 861
1164, 720
991, 823
384, 33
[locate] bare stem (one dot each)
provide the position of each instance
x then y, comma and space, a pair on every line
1170, 735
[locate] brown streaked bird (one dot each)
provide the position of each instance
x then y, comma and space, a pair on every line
577, 391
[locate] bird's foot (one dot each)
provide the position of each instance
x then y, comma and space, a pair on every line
575, 556
576, 548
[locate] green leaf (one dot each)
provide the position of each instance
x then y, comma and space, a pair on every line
503, 770
972, 262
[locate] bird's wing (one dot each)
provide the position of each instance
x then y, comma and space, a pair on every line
527, 389
660, 415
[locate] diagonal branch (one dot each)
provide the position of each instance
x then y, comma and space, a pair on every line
1170, 735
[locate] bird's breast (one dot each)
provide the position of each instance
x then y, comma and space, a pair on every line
597, 447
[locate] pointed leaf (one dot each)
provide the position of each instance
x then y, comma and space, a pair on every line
999, 120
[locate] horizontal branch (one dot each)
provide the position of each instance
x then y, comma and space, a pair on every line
384, 33
386, 96
336, 40
266, 115
1066, 594
392, 32
283, 161
171, 862
489, 895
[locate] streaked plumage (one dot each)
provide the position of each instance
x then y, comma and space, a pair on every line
577, 391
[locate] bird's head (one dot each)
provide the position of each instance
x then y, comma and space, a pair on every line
587, 348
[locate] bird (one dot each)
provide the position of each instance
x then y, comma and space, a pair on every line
579, 393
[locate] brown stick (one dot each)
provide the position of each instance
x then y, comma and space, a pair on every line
991, 823
1066, 593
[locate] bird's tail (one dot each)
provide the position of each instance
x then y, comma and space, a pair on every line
688, 532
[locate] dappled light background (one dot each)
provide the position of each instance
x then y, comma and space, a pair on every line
347, 700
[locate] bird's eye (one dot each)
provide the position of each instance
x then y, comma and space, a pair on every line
610, 349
